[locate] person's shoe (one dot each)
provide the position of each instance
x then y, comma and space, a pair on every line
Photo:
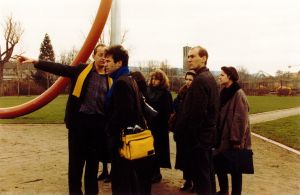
156, 178
102, 176
186, 186
107, 179
222, 193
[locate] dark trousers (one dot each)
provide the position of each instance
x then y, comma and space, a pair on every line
187, 173
202, 171
156, 166
131, 177
236, 180
83, 152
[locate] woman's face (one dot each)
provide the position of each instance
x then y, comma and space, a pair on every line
155, 82
223, 78
188, 80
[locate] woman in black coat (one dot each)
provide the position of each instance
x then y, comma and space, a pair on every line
181, 158
160, 98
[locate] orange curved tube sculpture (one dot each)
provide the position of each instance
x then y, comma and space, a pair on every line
61, 83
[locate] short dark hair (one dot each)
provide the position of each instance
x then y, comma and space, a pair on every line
231, 73
190, 72
118, 53
202, 52
99, 45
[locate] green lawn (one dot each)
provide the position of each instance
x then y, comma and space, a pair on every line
51, 113
268, 103
54, 111
285, 131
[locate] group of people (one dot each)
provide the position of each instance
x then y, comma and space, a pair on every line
208, 121
103, 101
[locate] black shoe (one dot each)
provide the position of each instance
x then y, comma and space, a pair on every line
156, 178
186, 186
222, 193
103, 176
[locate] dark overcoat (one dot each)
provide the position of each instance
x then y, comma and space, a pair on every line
181, 159
234, 122
128, 177
161, 101
196, 123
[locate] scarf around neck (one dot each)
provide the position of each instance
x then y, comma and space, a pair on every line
80, 80
115, 75
227, 93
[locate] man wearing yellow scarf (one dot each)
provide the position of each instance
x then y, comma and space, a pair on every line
84, 117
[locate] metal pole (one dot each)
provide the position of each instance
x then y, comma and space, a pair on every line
115, 23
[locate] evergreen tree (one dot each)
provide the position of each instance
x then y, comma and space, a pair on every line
46, 50
47, 54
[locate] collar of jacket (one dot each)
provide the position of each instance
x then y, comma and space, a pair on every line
80, 80
202, 69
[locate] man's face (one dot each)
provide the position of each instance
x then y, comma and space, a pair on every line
99, 56
194, 60
111, 66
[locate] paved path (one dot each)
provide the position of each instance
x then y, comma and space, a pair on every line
262, 179
271, 165
277, 171
273, 115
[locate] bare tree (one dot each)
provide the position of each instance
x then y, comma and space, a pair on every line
12, 35
107, 39
67, 57
243, 73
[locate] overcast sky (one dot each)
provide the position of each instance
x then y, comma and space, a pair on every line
256, 34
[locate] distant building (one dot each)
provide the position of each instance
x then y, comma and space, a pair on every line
185, 54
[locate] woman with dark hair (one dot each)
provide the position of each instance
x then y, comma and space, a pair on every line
159, 97
140, 81
233, 126
181, 158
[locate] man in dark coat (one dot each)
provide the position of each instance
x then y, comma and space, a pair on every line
130, 177
84, 117
197, 121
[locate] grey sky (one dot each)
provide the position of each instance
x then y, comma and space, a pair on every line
257, 34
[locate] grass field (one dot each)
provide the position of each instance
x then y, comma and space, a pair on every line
54, 111
285, 131
51, 113
268, 103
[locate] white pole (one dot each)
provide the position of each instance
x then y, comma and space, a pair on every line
115, 23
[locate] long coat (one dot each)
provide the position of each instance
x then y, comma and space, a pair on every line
197, 121
161, 101
234, 122
181, 159
128, 177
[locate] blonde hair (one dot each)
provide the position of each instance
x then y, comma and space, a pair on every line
162, 77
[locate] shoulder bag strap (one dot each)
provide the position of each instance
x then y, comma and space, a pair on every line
138, 97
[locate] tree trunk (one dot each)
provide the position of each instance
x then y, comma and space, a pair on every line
1, 78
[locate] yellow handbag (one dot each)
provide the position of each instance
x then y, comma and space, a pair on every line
137, 145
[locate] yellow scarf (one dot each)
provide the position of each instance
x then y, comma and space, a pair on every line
80, 80
78, 86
